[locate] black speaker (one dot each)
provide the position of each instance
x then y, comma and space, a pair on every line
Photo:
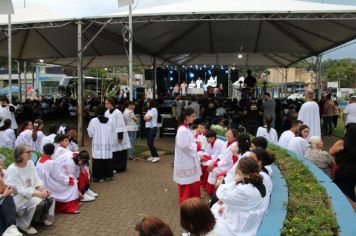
234, 75
148, 74
140, 93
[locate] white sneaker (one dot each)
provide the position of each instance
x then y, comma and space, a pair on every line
150, 159
155, 159
12, 231
31, 231
114, 171
47, 223
91, 193
87, 198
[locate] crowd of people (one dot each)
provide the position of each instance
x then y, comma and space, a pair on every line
235, 173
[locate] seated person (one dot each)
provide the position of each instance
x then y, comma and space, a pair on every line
72, 164
199, 136
219, 125
319, 157
7, 135
241, 204
299, 143
62, 146
152, 226
225, 160
63, 187
268, 132
33, 201
7, 206
196, 218
289, 134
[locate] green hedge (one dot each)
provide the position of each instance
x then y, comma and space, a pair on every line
308, 211
8, 152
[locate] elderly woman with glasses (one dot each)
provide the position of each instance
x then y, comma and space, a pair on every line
33, 202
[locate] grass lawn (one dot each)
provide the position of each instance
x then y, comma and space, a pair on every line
339, 130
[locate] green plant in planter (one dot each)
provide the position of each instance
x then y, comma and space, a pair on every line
308, 211
8, 153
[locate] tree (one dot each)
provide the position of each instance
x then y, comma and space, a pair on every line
343, 70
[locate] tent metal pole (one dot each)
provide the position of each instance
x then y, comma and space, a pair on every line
130, 52
19, 80
80, 86
318, 76
9, 56
154, 79
25, 77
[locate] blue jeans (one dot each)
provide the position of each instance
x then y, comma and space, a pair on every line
132, 137
7, 214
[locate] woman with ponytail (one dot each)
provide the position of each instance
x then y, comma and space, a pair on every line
187, 169
242, 202
32, 137
267, 131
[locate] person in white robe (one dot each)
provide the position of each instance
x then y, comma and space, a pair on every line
225, 160
53, 129
187, 169
33, 201
7, 135
7, 111
309, 114
120, 137
287, 135
241, 205
63, 187
100, 129
267, 131
32, 137
299, 144
61, 146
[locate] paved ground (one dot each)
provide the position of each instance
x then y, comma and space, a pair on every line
144, 189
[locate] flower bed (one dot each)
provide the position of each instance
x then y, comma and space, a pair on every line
308, 211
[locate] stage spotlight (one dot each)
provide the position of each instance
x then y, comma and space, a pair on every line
171, 72
171, 78
227, 71
204, 66
239, 56
209, 72
191, 75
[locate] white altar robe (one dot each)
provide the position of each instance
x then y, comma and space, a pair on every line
298, 145
25, 137
272, 136
102, 141
186, 161
117, 119
243, 211
56, 181
309, 114
8, 138
59, 151
225, 162
286, 136
47, 139
213, 151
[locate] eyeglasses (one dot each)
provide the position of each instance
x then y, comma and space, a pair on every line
30, 151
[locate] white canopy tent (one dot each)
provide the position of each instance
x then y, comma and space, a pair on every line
272, 32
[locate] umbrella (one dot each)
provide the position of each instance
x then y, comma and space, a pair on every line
5, 91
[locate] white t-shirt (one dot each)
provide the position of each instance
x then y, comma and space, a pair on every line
153, 122
285, 137
271, 136
350, 110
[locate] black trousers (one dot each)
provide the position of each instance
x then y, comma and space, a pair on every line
102, 168
119, 160
7, 214
345, 179
328, 124
151, 135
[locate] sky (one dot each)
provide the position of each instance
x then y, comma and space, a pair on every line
79, 8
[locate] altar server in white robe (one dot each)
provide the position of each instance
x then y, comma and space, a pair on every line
7, 135
267, 131
33, 201
299, 144
241, 206
100, 129
32, 137
187, 169
63, 187
309, 114
225, 160
287, 135
50, 137
7, 111
61, 146
120, 137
